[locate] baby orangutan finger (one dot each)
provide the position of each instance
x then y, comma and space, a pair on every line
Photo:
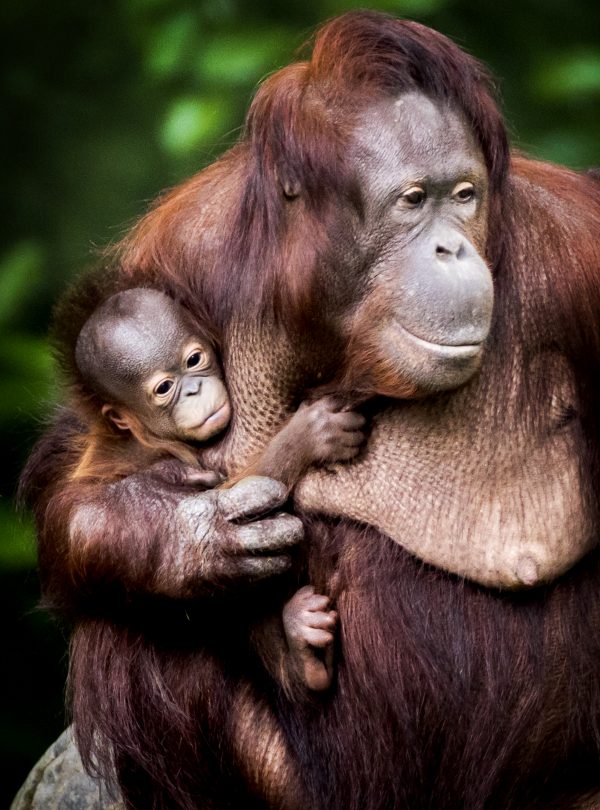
309, 605
304, 592
317, 638
320, 620
349, 420
175, 472
309, 599
352, 438
331, 403
316, 674
313, 601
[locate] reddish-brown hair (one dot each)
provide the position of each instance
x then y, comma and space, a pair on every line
447, 694
289, 173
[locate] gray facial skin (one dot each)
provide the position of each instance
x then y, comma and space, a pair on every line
425, 207
487, 483
140, 351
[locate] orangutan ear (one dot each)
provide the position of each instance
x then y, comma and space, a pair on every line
289, 182
119, 419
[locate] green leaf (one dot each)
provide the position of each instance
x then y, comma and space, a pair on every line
571, 148
20, 272
403, 8
28, 377
17, 539
193, 121
172, 45
243, 58
570, 74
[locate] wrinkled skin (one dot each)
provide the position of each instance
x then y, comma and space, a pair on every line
510, 525
486, 529
447, 694
423, 235
210, 539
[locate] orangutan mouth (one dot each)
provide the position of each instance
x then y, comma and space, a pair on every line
450, 351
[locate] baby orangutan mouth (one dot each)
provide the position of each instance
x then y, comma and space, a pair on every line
217, 420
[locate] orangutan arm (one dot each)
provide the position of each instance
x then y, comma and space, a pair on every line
142, 535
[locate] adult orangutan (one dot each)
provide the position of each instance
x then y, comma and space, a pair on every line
367, 177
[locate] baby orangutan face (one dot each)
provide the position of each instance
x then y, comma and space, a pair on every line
185, 397
140, 350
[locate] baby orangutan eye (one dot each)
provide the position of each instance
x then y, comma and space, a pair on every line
163, 388
194, 359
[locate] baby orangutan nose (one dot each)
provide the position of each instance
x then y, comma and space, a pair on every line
191, 386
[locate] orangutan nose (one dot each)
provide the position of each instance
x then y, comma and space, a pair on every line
452, 247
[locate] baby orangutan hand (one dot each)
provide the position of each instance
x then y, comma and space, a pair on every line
329, 431
309, 629
319, 432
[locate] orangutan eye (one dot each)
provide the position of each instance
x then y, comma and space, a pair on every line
163, 388
194, 360
464, 192
414, 197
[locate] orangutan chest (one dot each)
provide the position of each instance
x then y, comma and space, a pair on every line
511, 513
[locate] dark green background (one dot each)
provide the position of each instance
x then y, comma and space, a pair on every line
105, 104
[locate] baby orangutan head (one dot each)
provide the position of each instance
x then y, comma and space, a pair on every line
141, 351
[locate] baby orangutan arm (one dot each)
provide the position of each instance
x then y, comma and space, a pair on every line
319, 432
141, 535
173, 471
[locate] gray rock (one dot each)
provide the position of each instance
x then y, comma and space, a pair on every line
58, 782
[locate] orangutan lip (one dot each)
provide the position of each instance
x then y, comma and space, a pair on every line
213, 416
463, 350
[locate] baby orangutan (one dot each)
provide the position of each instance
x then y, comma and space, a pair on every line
164, 396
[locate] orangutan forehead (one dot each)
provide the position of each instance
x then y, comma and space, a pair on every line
132, 348
421, 134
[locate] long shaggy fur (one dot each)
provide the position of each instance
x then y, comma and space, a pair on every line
447, 695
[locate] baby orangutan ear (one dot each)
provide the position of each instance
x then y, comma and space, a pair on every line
118, 418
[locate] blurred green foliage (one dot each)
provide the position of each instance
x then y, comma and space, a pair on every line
105, 104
